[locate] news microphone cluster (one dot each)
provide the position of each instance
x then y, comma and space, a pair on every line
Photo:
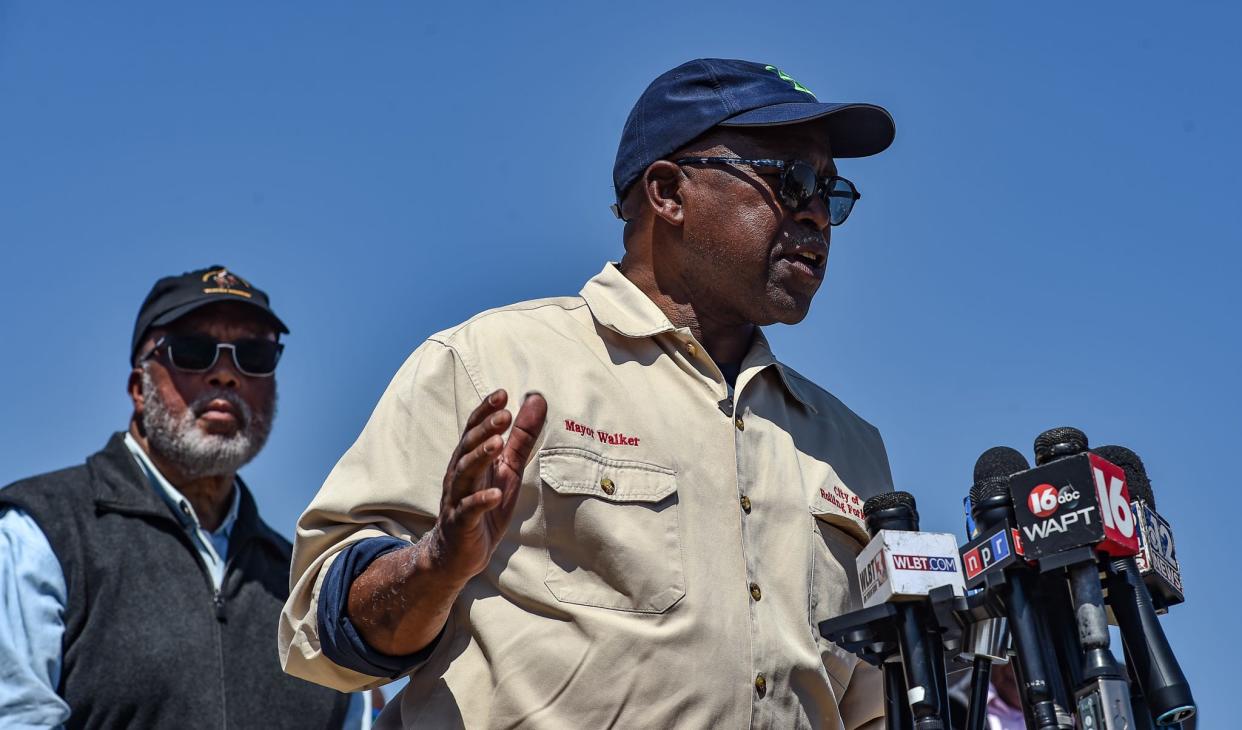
1032, 567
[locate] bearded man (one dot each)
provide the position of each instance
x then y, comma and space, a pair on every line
140, 589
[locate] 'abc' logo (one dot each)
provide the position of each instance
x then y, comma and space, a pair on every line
1045, 499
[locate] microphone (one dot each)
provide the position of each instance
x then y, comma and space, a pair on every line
901, 563
1156, 670
1090, 495
993, 560
1157, 557
1072, 499
901, 566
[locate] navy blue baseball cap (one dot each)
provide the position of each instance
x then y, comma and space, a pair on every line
685, 102
176, 296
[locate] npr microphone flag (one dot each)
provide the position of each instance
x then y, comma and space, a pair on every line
902, 564
992, 551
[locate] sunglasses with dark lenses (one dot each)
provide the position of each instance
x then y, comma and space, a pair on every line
197, 353
798, 184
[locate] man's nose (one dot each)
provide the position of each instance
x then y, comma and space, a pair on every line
223, 373
815, 212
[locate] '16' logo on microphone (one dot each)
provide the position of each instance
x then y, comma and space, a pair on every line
1045, 499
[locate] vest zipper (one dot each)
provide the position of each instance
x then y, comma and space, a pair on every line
217, 600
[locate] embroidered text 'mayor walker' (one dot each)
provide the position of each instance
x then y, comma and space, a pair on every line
605, 437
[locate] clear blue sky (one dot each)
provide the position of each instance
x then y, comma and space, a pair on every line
1053, 238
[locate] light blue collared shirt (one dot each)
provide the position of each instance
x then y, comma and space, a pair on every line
32, 621
213, 547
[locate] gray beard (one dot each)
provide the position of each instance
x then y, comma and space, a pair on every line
179, 440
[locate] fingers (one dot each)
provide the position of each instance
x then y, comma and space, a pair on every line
482, 445
480, 425
471, 466
492, 425
466, 474
526, 430
474, 505
489, 405
492, 403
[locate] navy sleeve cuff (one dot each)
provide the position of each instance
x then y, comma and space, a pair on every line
338, 638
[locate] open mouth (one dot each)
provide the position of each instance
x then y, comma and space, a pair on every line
807, 259
813, 259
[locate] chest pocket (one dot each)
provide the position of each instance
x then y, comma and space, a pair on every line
834, 588
612, 531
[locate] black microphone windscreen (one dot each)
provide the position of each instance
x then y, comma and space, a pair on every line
1000, 461
1136, 474
1069, 439
889, 500
986, 488
992, 471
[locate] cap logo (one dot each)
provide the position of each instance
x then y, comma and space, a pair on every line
223, 281
792, 81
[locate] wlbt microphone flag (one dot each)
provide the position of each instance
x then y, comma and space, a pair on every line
906, 565
901, 566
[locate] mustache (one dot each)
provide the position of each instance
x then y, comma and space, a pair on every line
244, 413
807, 239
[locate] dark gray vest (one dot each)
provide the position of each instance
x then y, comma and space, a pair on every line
148, 642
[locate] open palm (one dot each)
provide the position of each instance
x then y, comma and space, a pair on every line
483, 479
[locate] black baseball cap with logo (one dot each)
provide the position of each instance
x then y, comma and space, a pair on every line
685, 102
176, 296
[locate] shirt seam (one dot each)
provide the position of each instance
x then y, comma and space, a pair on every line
476, 378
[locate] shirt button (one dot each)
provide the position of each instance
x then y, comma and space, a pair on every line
745, 504
185, 509
738, 422
761, 684
755, 593
690, 348
607, 485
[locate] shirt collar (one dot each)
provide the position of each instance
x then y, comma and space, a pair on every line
622, 307
181, 506
760, 356
616, 303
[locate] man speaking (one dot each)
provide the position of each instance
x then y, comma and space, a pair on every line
620, 509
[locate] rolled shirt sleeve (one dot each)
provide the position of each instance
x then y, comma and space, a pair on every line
32, 608
337, 635
388, 484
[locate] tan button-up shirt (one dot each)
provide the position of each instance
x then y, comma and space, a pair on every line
673, 547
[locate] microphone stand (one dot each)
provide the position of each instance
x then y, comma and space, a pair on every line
897, 714
1065, 672
1138, 703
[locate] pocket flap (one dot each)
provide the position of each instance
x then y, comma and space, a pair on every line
568, 470
837, 505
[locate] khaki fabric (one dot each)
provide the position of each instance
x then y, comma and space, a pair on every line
670, 544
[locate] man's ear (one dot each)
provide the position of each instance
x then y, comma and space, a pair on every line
134, 387
662, 183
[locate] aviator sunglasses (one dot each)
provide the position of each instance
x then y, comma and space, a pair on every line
197, 353
798, 183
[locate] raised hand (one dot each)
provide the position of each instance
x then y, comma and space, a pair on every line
482, 481
401, 601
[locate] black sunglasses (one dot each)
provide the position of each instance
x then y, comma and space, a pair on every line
197, 353
798, 183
